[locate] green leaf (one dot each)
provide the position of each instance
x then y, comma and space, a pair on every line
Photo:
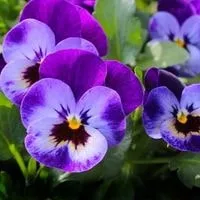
11, 129
162, 54
188, 168
5, 184
124, 31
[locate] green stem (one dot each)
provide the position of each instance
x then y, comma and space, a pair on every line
17, 156
152, 161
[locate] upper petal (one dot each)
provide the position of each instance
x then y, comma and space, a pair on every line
123, 80
163, 25
24, 41
159, 107
61, 16
181, 9
80, 69
91, 30
76, 43
101, 108
44, 99
191, 30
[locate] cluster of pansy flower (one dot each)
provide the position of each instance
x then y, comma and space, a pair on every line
72, 103
179, 21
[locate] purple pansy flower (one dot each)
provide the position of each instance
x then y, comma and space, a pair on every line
171, 110
69, 134
164, 27
181, 9
87, 4
67, 20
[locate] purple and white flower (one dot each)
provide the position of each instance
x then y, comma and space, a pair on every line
171, 112
164, 27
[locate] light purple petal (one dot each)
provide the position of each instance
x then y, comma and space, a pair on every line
191, 97
163, 25
123, 80
191, 30
30, 39
85, 157
41, 145
13, 81
80, 69
171, 135
76, 43
181, 9
48, 97
192, 66
92, 31
61, 16
102, 108
158, 108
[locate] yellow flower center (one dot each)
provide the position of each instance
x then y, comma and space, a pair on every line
180, 42
74, 123
182, 118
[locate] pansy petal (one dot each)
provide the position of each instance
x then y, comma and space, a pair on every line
24, 41
44, 99
80, 69
156, 78
76, 43
191, 97
92, 31
172, 136
191, 30
2, 62
61, 16
160, 30
193, 142
159, 107
192, 66
123, 80
181, 9
196, 4
16, 77
101, 108
84, 157
41, 145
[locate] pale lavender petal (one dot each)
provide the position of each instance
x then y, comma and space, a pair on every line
80, 69
44, 99
191, 30
30, 39
124, 81
101, 108
76, 43
164, 26
159, 107
84, 157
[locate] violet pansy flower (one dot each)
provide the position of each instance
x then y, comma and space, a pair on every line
24, 47
164, 27
172, 113
67, 134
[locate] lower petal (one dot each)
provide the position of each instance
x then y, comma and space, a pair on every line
84, 157
42, 146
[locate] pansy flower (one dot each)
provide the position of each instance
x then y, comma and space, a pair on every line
72, 121
172, 113
87, 4
24, 47
164, 27
68, 134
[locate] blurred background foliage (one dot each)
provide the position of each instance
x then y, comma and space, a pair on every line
139, 168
